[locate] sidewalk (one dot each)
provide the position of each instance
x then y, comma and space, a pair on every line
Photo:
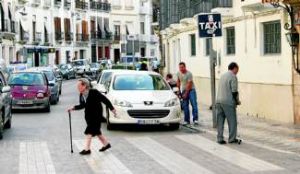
263, 133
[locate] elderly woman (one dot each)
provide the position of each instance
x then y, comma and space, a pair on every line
90, 100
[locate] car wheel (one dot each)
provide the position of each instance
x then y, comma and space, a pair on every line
174, 126
108, 124
1, 128
7, 125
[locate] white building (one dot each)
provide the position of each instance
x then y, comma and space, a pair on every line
253, 36
59, 31
131, 25
7, 31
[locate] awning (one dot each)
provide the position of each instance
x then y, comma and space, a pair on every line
99, 30
9, 13
130, 28
24, 25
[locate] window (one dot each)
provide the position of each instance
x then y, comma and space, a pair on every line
208, 43
142, 27
193, 44
272, 37
230, 40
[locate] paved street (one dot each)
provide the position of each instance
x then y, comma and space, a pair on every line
39, 143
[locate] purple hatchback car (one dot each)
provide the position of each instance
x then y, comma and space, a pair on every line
29, 90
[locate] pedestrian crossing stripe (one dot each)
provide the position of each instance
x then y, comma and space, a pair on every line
166, 157
102, 162
35, 158
233, 156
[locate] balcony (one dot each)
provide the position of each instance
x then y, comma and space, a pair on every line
22, 2
222, 6
36, 3
82, 37
81, 5
59, 36
37, 38
24, 37
117, 37
57, 3
9, 29
67, 4
96, 36
100, 6
256, 5
47, 4
68, 36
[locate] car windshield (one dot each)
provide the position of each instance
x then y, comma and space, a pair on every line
94, 65
26, 79
139, 82
50, 75
63, 67
78, 63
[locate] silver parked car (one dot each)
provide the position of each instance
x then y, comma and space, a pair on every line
5, 105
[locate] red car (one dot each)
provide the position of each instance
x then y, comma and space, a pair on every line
29, 90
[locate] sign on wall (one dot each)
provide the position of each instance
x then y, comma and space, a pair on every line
209, 25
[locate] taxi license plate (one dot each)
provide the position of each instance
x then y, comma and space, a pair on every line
148, 121
25, 102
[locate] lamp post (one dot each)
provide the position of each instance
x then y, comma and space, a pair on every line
292, 35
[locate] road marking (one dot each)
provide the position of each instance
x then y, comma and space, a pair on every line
35, 158
260, 145
233, 156
102, 162
168, 158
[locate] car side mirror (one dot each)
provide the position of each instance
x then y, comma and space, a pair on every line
5, 89
51, 84
175, 89
94, 83
101, 88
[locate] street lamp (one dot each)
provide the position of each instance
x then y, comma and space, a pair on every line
293, 35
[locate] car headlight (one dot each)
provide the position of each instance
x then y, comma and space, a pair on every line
172, 102
40, 95
122, 103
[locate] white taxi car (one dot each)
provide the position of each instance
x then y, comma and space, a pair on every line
140, 97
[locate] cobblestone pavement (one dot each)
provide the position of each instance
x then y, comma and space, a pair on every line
39, 143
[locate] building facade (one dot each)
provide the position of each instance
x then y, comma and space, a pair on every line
7, 31
133, 33
59, 31
253, 36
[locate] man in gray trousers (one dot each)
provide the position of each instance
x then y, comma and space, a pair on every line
227, 101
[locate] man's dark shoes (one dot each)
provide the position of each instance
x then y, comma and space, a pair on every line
222, 142
236, 141
85, 152
104, 148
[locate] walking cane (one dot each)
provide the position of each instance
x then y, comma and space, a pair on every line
70, 131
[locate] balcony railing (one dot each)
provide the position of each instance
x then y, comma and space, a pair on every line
24, 37
47, 4
81, 5
68, 36
117, 37
37, 38
59, 36
101, 6
57, 3
67, 4
95, 35
9, 26
222, 3
36, 2
82, 37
